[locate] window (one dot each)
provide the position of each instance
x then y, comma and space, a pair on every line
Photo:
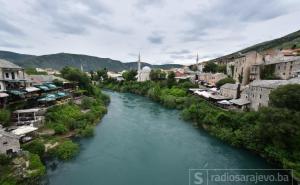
260, 96
5, 143
13, 75
6, 75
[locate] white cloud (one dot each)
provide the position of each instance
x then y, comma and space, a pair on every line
162, 30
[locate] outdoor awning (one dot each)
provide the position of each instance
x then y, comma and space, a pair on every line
203, 93
61, 94
31, 89
240, 101
50, 86
16, 92
3, 95
27, 111
219, 97
224, 102
48, 98
42, 87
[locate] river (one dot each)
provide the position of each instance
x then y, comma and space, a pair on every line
140, 142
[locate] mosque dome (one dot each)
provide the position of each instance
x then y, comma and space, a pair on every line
146, 69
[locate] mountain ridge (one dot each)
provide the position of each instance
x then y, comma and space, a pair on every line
59, 60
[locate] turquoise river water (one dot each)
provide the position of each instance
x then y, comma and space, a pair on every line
139, 142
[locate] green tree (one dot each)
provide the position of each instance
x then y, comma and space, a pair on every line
102, 74
129, 75
171, 79
225, 81
210, 67
75, 75
35, 147
157, 75
66, 150
222, 69
287, 96
4, 117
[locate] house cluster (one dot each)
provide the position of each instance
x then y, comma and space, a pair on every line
256, 75
35, 93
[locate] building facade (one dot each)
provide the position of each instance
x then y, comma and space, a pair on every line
259, 90
9, 143
230, 90
211, 78
11, 76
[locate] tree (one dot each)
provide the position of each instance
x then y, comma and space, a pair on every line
129, 75
287, 96
222, 69
5, 117
210, 67
171, 79
75, 75
102, 74
157, 75
225, 81
35, 147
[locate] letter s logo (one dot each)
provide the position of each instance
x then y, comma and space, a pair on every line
198, 178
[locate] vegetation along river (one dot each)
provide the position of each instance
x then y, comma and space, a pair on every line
140, 142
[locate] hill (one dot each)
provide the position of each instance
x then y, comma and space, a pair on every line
286, 42
59, 60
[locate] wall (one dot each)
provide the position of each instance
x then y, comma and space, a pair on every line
12, 143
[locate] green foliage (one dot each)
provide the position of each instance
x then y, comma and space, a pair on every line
222, 69
101, 74
87, 102
210, 67
129, 75
36, 166
4, 159
75, 75
157, 75
171, 79
32, 71
267, 72
225, 81
5, 117
66, 150
88, 131
287, 96
35, 147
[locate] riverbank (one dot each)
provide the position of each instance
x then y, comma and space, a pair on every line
273, 133
66, 122
75, 119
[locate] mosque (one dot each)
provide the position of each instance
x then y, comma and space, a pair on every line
144, 73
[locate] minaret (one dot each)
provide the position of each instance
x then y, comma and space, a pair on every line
139, 68
197, 61
81, 67
139, 62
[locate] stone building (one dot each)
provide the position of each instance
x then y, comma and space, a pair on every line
285, 68
9, 143
242, 65
211, 78
230, 90
12, 77
259, 91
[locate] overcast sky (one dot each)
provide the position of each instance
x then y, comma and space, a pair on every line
164, 31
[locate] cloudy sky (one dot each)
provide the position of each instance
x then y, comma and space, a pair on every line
164, 31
